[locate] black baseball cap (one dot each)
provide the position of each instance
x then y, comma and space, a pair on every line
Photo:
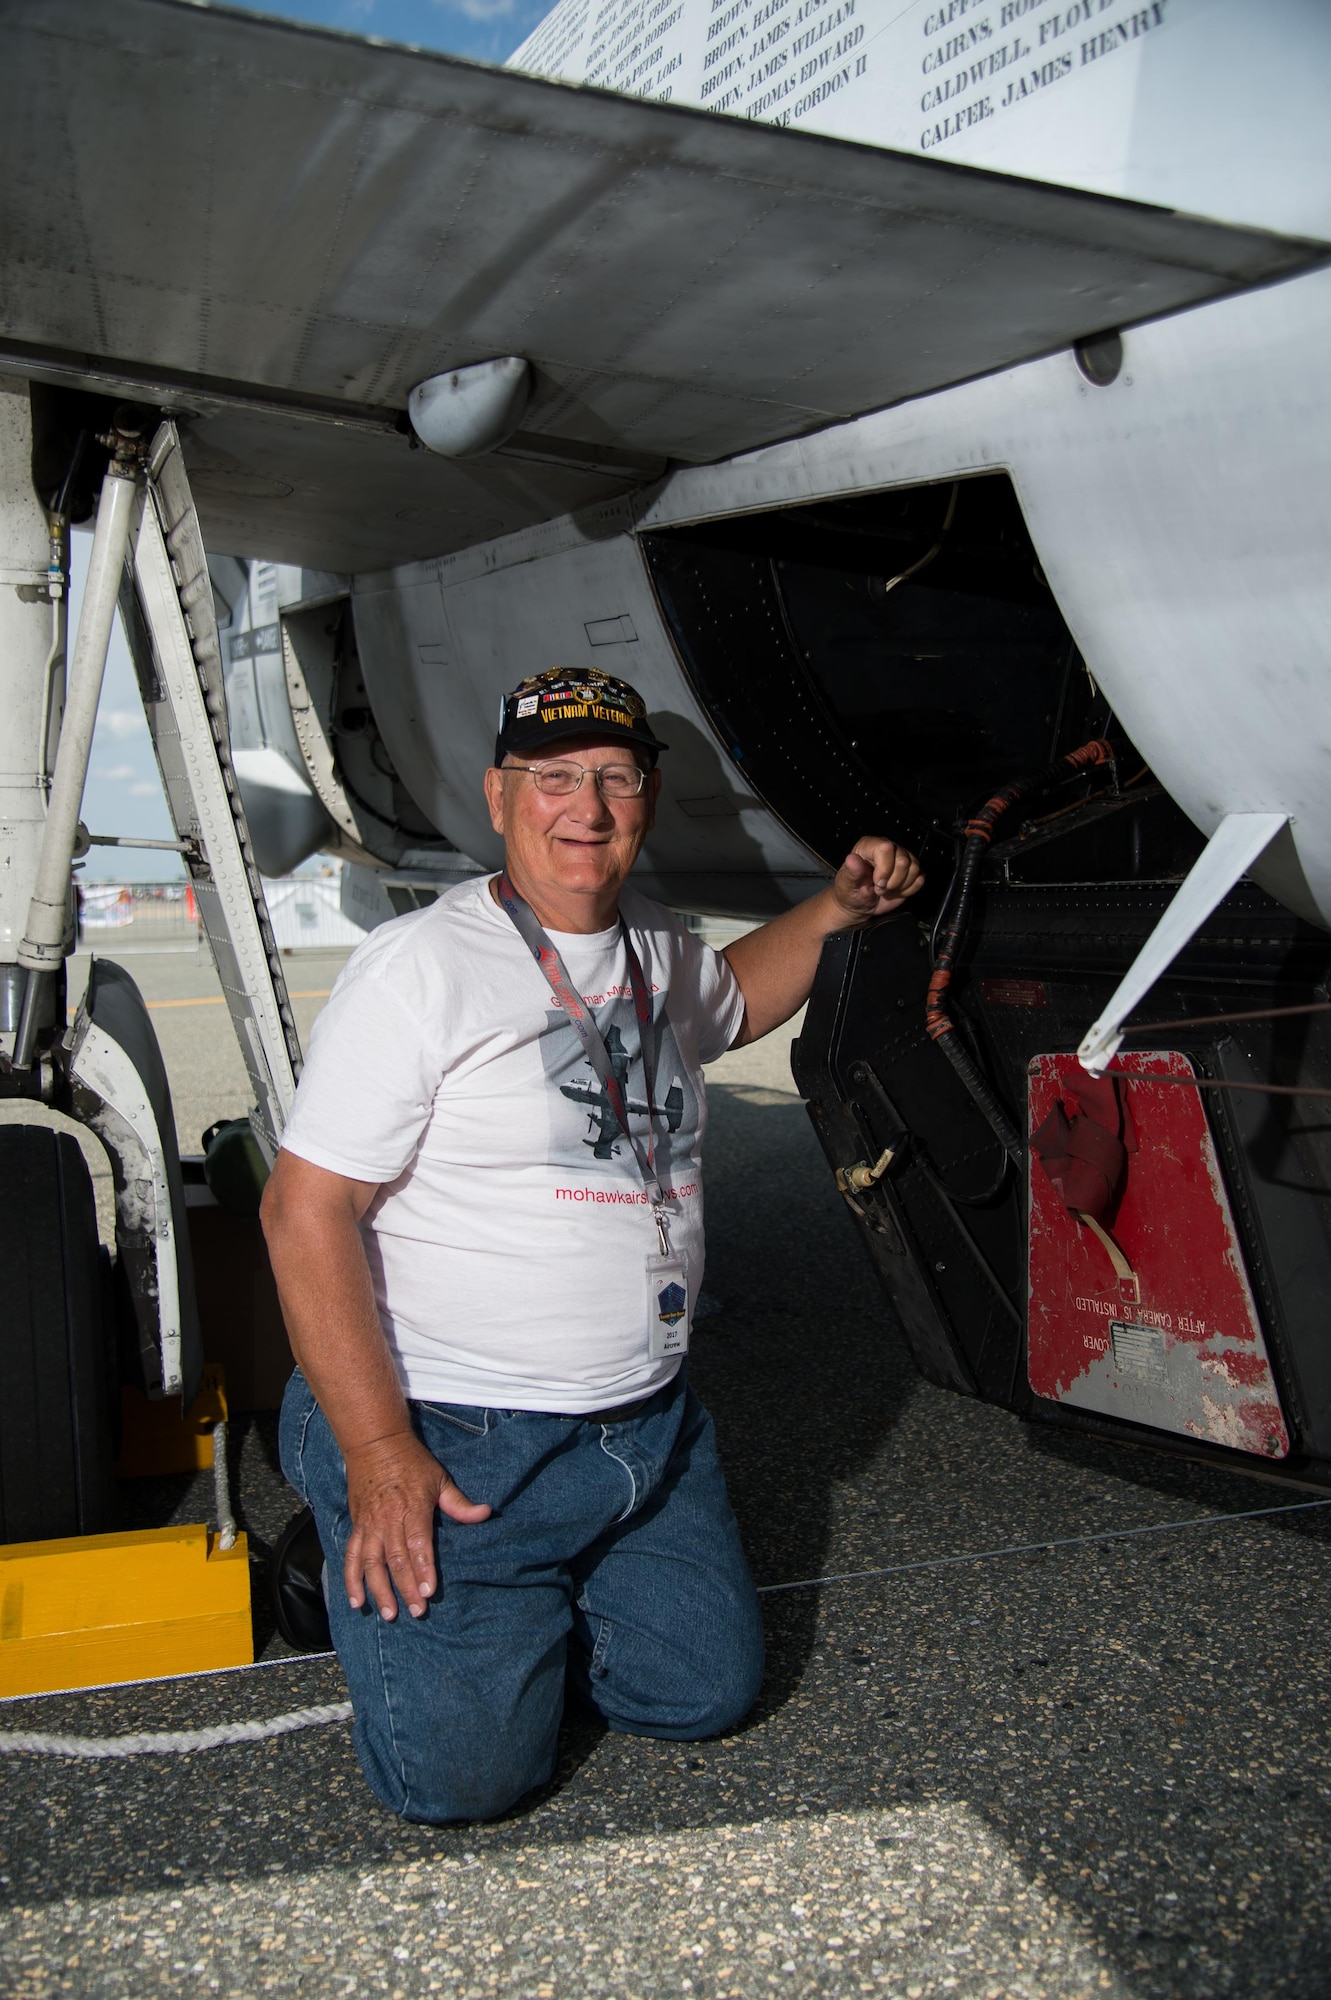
570, 701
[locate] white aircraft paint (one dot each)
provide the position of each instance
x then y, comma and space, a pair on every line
1180, 513
1216, 107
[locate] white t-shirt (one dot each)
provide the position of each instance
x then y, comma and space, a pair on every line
509, 1236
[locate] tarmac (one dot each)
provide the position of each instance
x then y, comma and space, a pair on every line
1042, 1717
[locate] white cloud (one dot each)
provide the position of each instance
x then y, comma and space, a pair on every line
117, 773
121, 722
477, 10
145, 789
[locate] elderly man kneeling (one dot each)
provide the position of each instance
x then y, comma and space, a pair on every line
486, 1227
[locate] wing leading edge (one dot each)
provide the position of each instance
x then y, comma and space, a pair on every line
281, 230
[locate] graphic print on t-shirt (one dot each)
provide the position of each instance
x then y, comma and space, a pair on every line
584, 1128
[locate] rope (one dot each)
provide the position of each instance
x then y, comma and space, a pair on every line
1038, 1548
171, 1742
1222, 1083
1219, 1020
226, 1520
183, 1742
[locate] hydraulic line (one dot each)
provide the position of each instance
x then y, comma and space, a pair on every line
904, 575
979, 833
42, 949
946, 903
57, 583
57, 586
985, 1195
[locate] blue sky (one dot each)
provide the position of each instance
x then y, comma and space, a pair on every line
124, 793
487, 30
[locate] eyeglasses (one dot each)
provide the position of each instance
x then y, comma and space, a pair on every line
614, 781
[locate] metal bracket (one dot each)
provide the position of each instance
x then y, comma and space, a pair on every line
167, 608
1129, 1286
864, 1176
1236, 843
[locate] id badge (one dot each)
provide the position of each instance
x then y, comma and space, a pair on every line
667, 1307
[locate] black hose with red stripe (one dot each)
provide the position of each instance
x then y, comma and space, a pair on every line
979, 834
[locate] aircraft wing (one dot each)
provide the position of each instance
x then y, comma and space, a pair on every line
281, 230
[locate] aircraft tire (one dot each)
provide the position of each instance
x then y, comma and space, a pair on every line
57, 1376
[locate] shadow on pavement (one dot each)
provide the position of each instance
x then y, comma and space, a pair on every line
1143, 1723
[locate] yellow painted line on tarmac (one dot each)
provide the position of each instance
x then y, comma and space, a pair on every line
219, 999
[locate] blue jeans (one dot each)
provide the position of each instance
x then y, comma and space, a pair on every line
612, 1558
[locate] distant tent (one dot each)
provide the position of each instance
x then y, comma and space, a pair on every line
306, 913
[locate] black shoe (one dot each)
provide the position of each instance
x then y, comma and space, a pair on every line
296, 1582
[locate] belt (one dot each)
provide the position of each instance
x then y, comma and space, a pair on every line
615, 1413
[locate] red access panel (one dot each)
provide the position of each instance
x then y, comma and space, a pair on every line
1173, 1342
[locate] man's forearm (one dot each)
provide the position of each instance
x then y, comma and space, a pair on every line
775, 966
312, 1222
323, 1281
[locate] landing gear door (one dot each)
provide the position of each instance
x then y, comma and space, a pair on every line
120, 1092
1152, 1320
167, 611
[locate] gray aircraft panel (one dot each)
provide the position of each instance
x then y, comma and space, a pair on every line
310, 493
226, 206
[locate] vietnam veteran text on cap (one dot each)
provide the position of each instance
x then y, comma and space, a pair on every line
562, 702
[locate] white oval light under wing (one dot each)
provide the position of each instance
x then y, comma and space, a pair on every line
467, 411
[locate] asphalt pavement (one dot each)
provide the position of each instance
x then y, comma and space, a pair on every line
1037, 1721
